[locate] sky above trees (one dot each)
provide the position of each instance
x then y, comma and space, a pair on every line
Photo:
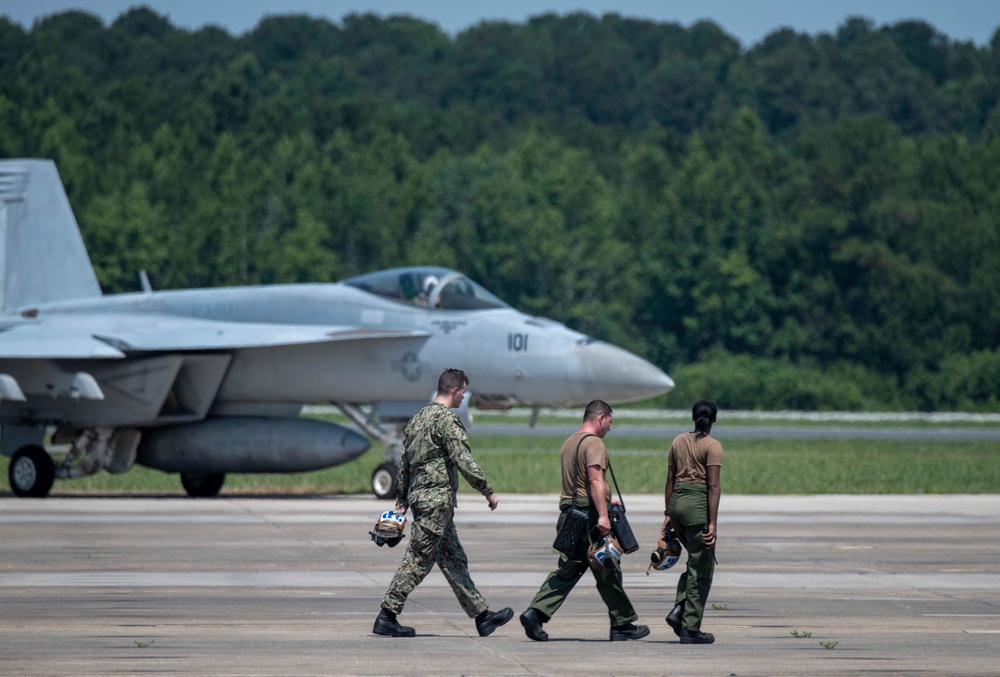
749, 22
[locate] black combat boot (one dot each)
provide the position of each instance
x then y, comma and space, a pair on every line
488, 621
386, 624
628, 631
676, 617
696, 637
532, 622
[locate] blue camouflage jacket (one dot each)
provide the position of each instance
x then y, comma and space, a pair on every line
435, 449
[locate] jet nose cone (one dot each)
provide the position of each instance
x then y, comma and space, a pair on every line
612, 374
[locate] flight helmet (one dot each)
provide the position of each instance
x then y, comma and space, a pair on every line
388, 529
667, 553
605, 553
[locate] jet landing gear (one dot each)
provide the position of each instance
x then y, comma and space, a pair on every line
31, 472
202, 485
384, 484
384, 480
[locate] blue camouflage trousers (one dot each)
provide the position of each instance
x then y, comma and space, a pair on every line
433, 539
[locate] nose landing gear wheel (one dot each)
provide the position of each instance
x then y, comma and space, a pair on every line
384, 481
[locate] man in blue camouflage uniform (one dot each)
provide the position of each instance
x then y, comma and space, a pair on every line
436, 449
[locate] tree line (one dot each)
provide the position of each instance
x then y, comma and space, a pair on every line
810, 223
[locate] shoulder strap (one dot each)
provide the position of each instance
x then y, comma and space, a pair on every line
576, 464
615, 480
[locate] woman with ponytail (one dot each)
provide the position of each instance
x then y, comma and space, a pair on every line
691, 502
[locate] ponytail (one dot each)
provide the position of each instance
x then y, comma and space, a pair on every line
703, 414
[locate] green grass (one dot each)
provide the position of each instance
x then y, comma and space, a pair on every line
762, 466
861, 466
751, 466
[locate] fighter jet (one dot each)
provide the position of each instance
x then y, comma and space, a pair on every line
204, 382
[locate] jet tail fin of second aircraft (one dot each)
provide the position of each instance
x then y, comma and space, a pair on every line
42, 255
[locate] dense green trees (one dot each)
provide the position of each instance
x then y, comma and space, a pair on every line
813, 222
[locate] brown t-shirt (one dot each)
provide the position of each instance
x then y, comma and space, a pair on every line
690, 454
592, 452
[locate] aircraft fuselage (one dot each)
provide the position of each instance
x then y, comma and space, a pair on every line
507, 354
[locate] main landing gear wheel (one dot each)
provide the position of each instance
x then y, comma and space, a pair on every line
31, 472
202, 485
384, 480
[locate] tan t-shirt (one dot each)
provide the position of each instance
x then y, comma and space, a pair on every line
691, 454
592, 452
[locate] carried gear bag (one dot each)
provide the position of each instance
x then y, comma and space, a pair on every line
619, 524
574, 525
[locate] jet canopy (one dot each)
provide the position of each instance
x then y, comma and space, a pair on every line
427, 287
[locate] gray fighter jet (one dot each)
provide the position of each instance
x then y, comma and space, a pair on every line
205, 382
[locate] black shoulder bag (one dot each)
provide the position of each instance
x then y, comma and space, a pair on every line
619, 524
574, 525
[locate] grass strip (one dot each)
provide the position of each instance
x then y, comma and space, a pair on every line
518, 464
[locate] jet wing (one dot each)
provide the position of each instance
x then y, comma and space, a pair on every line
109, 336
160, 333
35, 341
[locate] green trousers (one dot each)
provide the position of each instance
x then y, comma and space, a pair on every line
560, 582
689, 515
433, 540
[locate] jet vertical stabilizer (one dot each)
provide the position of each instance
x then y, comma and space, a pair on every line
42, 257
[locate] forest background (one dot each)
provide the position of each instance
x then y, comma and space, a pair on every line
810, 223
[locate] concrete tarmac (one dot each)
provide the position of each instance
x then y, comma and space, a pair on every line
290, 586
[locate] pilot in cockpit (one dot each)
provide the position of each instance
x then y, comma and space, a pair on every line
430, 282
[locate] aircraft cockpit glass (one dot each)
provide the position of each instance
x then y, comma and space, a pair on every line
427, 287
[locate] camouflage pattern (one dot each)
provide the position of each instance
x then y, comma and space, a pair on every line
433, 539
435, 449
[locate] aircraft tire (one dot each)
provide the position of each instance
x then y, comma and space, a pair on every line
202, 485
384, 480
31, 472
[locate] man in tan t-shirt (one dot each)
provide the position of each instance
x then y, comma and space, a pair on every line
584, 462
592, 454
